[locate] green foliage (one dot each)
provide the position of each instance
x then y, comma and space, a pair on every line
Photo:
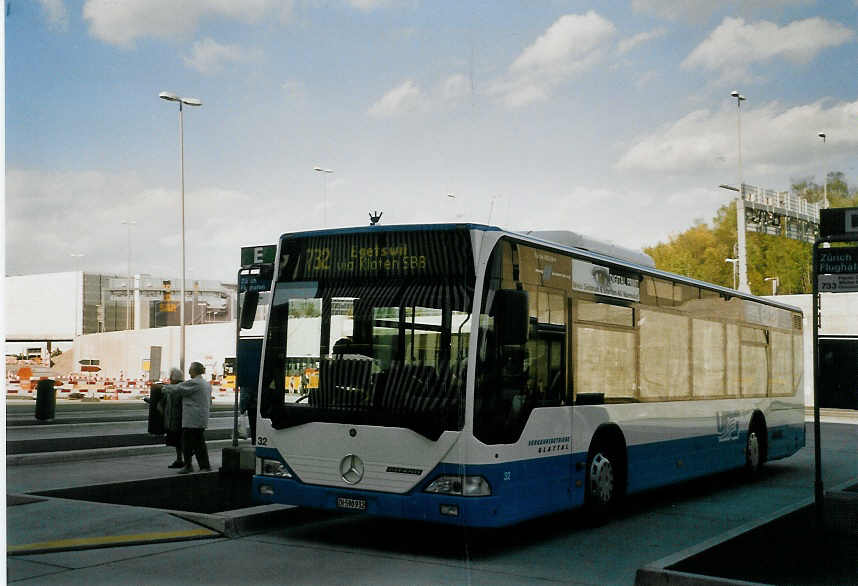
700, 251
840, 194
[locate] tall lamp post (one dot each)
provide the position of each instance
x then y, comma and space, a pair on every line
128, 223
325, 172
734, 262
171, 97
740, 202
822, 135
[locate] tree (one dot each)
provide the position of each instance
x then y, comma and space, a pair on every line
840, 195
699, 252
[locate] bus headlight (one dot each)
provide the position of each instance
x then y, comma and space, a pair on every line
273, 468
460, 486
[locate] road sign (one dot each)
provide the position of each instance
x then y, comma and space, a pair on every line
837, 269
838, 283
838, 222
837, 261
255, 255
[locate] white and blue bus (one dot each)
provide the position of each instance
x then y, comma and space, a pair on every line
476, 376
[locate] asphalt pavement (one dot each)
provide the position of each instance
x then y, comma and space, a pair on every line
52, 540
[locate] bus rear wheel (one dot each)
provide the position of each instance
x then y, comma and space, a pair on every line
604, 486
753, 452
601, 478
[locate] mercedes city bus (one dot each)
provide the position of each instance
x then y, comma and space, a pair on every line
466, 374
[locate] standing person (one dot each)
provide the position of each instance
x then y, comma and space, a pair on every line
165, 415
196, 394
247, 404
172, 409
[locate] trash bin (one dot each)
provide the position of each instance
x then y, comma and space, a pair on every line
46, 399
156, 417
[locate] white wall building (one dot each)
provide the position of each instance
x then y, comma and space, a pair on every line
125, 353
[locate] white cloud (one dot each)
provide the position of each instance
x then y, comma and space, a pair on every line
121, 23
56, 14
573, 44
406, 97
627, 45
208, 56
776, 141
81, 212
734, 45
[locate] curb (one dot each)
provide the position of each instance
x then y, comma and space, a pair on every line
103, 453
238, 522
658, 573
82, 543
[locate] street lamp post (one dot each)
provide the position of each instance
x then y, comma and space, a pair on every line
128, 223
822, 135
324, 172
775, 282
740, 203
734, 262
171, 97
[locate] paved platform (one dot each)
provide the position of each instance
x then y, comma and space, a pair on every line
61, 541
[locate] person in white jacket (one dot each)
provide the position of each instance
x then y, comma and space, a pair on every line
196, 394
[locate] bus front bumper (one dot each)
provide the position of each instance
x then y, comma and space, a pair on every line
484, 511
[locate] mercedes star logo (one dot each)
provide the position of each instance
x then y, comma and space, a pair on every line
351, 469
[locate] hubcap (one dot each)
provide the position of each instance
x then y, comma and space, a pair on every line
753, 450
602, 479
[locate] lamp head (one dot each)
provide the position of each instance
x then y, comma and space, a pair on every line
822, 136
171, 97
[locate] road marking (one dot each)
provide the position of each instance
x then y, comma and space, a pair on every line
108, 541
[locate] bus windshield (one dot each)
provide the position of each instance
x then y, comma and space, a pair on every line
372, 345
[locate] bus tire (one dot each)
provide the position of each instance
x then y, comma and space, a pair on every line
755, 446
604, 482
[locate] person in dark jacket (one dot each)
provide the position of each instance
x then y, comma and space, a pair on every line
165, 415
171, 406
247, 405
196, 394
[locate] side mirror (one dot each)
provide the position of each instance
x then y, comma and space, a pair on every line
511, 313
248, 309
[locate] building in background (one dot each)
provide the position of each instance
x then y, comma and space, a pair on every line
47, 311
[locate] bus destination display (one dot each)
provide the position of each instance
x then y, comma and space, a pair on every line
377, 255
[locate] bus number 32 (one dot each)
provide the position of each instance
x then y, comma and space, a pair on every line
261, 441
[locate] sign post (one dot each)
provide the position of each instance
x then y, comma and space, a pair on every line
835, 270
256, 274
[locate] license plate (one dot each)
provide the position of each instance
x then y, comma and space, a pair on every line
352, 504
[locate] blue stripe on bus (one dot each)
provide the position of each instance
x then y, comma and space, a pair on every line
526, 489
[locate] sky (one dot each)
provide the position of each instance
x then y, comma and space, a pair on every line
611, 119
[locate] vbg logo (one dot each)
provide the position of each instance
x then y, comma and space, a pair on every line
727, 423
